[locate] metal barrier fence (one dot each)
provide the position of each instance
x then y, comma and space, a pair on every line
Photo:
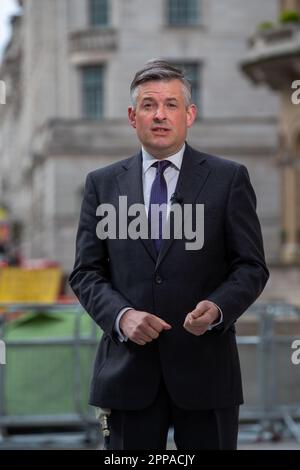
270, 368
44, 384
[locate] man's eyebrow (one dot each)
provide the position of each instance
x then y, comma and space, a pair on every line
150, 98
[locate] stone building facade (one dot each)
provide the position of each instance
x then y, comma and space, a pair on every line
68, 68
273, 60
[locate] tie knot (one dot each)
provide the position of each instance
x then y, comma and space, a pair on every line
161, 166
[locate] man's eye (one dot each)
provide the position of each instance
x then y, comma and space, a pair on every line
147, 106
172, 105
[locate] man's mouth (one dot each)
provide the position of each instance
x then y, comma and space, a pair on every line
163, 130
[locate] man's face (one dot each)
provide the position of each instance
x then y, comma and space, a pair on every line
161, 118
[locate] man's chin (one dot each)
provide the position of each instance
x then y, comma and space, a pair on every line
161, 145
160, 152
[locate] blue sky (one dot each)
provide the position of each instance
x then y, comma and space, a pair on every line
7, 8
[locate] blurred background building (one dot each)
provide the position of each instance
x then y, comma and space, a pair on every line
64, 93
67, 70
274, 60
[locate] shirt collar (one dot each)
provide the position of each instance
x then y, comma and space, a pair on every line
175, 159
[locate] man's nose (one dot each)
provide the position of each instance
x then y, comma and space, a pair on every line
160, 114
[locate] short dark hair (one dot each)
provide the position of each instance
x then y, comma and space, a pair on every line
159, 69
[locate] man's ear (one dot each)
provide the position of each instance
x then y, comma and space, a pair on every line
191, 115
131, 116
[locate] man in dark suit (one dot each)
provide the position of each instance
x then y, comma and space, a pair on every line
168, 355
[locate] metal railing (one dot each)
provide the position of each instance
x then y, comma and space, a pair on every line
44, 384
66, 361
277, 410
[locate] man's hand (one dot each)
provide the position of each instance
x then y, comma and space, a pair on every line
198, 321
142, 327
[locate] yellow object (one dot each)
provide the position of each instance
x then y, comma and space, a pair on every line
19, 285
3, 214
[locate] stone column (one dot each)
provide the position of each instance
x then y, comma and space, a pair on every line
290, 5
290, 177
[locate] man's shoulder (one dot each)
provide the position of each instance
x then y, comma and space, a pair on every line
216, 162
113, 168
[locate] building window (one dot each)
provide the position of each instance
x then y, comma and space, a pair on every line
182, 12
98, 12
93, 91
192, 73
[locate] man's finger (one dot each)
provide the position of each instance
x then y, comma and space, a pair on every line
197, 331
196, 326
201, 321
200, 310
144, 334
151, 332
158, 324
206, 316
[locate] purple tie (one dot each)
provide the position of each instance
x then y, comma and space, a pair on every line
159, 195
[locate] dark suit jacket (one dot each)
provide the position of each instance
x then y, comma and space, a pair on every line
200, 372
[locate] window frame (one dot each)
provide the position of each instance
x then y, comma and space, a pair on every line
99, 114
92, 23
197, 22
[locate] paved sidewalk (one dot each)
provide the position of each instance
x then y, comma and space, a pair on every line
253, 443
280, 445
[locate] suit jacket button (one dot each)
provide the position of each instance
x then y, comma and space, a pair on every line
158, 279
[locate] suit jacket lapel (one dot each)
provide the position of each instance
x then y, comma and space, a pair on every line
131, 185
193, 174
